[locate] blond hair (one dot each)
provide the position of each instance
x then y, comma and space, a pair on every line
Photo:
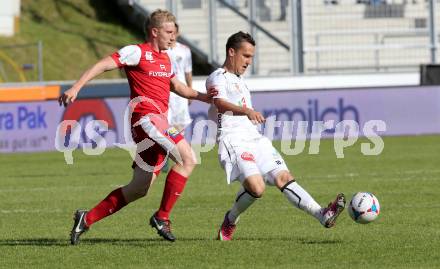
157, 19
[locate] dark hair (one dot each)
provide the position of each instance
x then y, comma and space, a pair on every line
235, 40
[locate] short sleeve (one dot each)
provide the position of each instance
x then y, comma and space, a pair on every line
127, 56
218, 81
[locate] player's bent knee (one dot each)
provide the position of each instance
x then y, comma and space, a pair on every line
283, 178
255, 185
140, 192
139, 185
188, 159
189, 163
256, 191
188, 166
132, 193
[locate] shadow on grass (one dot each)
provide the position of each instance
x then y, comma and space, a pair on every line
319, 241
305, 241
136, 241
144, 242
34, 242
49, 242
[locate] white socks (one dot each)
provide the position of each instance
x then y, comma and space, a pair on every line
296, 195
301, 199
242, 202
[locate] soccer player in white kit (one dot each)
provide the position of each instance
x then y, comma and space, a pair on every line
180, 56
244, 153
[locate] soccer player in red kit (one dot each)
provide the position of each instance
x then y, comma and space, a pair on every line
150, 77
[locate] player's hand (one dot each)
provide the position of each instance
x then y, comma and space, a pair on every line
209, 95
255, 116
67, 97
212, 92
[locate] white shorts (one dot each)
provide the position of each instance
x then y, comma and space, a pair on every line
242, 157
178, 112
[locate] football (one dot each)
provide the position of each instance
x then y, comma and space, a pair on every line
364, 207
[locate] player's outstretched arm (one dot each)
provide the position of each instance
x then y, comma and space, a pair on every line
189, 93
224, 106
105, 64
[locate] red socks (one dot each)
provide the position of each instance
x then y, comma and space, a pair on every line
174, 186
111, 204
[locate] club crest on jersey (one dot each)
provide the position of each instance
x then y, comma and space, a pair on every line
148, 55
237, 87
247, 156
162, 67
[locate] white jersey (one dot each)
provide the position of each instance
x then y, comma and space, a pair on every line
242, 150
181, 60
232, 88
178, 113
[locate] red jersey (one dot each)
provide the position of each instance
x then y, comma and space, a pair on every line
149, 75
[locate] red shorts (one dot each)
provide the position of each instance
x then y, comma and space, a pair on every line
155, 127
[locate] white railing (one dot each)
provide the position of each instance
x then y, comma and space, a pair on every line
379, 37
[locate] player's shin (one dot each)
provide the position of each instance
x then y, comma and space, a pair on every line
111, 204
301, 198
243, 201
174, 185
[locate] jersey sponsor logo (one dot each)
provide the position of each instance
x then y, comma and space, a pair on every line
148, 55
247, 156
162, 67
159, 74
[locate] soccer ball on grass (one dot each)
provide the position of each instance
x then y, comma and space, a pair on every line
364, 207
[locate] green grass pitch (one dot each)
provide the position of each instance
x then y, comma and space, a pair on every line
39, 192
